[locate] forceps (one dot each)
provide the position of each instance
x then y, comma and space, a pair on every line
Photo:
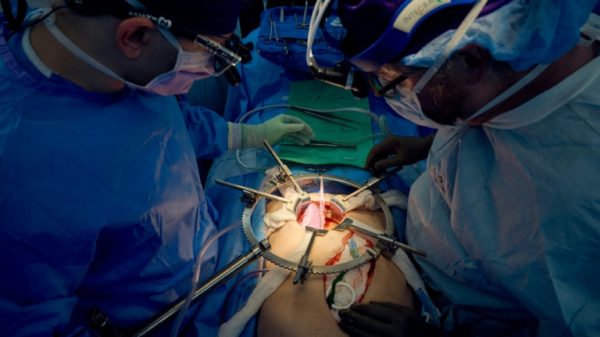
273, 36
327, 144
338, 120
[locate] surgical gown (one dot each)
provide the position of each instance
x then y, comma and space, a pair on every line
100, 201
510, 217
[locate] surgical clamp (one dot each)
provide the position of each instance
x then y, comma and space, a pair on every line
283, 167
304, 264
385, 240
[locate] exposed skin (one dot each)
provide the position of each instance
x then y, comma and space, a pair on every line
477, 82
133, 48
457, 92
556, 72
301, 309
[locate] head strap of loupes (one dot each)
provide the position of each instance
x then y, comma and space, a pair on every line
382, 31
194, 20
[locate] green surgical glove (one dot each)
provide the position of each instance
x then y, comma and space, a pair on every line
283, 127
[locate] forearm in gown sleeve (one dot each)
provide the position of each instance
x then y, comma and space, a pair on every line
208, 130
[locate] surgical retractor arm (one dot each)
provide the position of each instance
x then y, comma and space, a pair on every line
381, 237
372, 182
231, 269
283, 167
251, 190
304, 265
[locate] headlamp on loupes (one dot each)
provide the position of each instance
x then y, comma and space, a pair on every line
342, 75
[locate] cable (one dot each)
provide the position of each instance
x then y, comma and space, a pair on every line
43, 17
247, 166
196, 277
257, 272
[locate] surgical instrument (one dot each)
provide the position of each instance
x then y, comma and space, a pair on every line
283, 167
323, 114
383, 239
305, 12
330, 119
251, 190
231, 269
322, 143
304, 264
273, 30
303, 24
372, 182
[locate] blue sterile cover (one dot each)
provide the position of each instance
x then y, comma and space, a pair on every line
283, 42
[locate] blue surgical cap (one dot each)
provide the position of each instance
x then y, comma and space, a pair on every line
522, 33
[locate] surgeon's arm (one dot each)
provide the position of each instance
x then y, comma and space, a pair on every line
397, 151
212, 135
208, 131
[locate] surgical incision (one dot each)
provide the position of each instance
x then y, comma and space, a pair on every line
310, 214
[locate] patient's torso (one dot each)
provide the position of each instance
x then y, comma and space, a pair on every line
301, 309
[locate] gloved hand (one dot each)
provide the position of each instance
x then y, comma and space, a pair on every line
276, 129
384, 319
397, 151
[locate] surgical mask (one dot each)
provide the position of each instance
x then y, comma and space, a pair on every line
406, 104
189, 66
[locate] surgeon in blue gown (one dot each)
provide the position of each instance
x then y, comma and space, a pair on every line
509, 208
101, 205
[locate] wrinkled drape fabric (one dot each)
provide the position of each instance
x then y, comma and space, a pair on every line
510, 218
100, 202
